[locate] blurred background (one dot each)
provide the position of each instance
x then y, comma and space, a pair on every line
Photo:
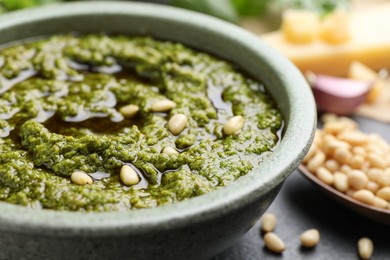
230, 10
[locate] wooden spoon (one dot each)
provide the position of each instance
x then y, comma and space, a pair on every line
374, 213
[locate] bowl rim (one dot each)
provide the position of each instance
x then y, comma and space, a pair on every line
246, 190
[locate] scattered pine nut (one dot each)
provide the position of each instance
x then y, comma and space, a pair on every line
81, 178
273, 243
310, 238
268, 222
234, 125
365, 248
128, 176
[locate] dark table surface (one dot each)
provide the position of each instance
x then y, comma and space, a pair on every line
300, 206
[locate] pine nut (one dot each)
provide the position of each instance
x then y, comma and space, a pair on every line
345, 169
384, 193
330, 146
374, 174
273, 243
357, 162
365, 196
332, 165
177, 124
329, 117
365, 248
365, 166
384, 178
349, 124
380, 203
170, 150
325, 176
376, 161
353, 138
312, 151
163, 105
268, 222
374, 148
341, 181
357, 179
310, 238
334, 127
318, 137
328, 139
128, 176
342, 155
129, 111
81, 178
234, 125
372, 186
316, 162
358, 150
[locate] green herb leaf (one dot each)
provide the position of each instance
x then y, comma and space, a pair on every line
320, 6
19, 4
250, 7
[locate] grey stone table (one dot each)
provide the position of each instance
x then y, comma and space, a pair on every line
300, 206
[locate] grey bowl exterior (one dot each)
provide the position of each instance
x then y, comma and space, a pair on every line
194, 229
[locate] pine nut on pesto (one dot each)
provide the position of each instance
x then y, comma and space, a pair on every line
81, 178
177, 123
93, 103
129, 110
128, 176
170, 150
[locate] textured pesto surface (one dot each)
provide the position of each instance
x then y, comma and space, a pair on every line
59, 102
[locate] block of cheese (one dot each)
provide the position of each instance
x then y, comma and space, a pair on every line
369, 43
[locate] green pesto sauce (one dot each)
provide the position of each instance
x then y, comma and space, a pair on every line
59, 103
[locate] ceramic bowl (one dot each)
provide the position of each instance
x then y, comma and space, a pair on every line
197, 228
